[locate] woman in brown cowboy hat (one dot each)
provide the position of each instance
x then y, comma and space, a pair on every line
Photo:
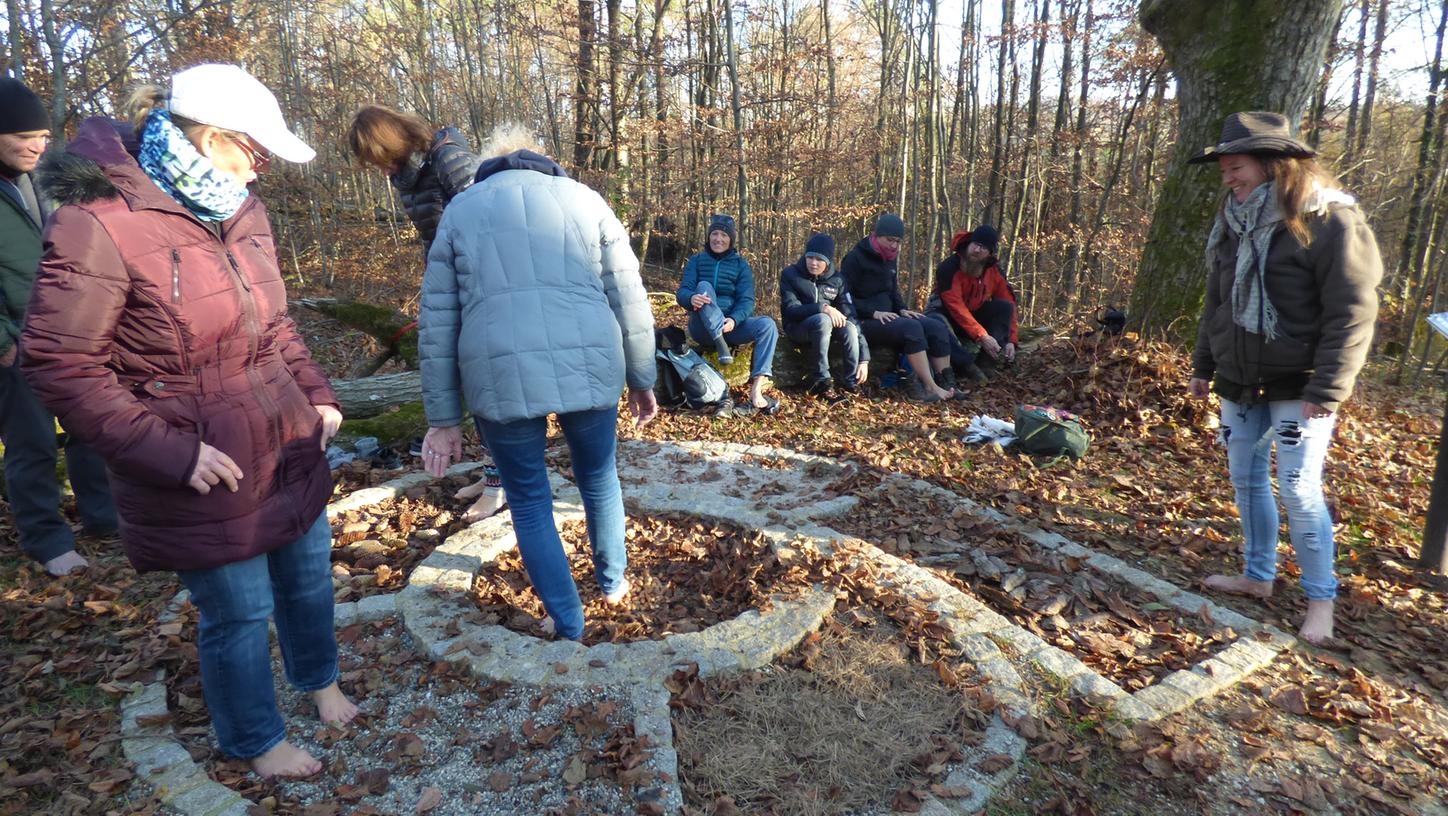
1291, 299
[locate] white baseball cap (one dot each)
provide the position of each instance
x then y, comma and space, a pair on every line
226, 96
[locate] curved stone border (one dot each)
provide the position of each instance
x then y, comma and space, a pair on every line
1257, 644
435, 597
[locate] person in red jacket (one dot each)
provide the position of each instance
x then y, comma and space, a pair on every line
158, 333
975, 297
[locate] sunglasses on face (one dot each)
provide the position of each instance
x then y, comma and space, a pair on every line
260, 159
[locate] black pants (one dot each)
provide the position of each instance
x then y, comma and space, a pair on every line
909, 335
30, 481
995, 316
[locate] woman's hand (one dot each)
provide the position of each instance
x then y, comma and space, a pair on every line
911, 314
862, 373
885, 317
440, 448
1009, 351
990, 345
212, 468
1311, 410
331, 421
643, 406
1199, 388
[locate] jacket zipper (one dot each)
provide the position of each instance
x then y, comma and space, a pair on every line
175, 276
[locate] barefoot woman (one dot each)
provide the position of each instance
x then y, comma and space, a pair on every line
1290, 305
158, 333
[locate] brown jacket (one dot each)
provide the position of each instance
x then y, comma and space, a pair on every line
1326, 300
147, 332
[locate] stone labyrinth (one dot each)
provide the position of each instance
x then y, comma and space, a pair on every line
756, 487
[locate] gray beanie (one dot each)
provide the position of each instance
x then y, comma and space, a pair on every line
890, 225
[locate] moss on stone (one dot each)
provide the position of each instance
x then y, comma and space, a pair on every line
397, 426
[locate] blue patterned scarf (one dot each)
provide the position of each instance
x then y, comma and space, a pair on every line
179, 169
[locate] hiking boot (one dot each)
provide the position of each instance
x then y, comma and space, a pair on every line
988, 366
848, 385
819, 387
973, 374
945, 378
917, 391
725, 356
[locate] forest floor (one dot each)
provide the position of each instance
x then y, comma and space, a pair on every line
1358, 726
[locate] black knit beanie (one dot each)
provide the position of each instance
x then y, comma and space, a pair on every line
20, 109
986, 236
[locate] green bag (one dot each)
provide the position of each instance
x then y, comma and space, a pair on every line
1045, 431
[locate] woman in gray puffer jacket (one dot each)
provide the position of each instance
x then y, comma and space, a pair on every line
532, 305
1291, 301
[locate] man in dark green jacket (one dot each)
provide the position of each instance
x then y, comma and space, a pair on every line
28, 430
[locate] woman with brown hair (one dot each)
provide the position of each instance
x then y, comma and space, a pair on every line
158, 333
428, 169
1290, 305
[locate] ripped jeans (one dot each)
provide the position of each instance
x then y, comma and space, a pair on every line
1249, 432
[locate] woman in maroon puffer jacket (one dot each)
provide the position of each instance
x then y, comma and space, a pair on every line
158, 333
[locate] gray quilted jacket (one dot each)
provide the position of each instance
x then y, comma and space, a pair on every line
532, 303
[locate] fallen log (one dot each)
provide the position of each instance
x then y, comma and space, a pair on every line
370, 396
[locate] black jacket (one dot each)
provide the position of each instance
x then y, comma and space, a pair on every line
802, 294
874, 284
431, 179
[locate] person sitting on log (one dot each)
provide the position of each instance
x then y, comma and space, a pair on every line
428, 169
874, 283
971, 293
718, 291
816, 309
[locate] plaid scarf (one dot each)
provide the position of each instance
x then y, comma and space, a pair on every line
179, 169
1254, 222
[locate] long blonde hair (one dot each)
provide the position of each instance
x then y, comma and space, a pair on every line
1297, 179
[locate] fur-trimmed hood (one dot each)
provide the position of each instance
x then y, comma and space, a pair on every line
86, 170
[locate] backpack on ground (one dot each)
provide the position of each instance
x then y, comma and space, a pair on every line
684, 378
1045, 431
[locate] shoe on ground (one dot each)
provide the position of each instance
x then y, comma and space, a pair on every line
820, 387
945, 378
616, 597
973, 374
66, 563
769, 408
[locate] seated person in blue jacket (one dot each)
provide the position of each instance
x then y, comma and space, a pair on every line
817, 310
874, 283
718, 291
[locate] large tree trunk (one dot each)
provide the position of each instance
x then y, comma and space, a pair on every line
1227, 55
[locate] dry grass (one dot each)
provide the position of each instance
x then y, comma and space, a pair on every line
840, 734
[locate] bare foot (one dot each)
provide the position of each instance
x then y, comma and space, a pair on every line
944, 393
333, 707
473, 490
66, 563
616, 597
287, 761
491, 501
1239, 585
1317, 626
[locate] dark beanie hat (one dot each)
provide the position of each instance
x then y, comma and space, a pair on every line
821, 244
723, 223
986, 236
890, 225
20, 109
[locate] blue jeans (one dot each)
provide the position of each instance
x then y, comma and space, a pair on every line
816, 332
707, 323
28, 430
517, 448
1248, 432
295, 584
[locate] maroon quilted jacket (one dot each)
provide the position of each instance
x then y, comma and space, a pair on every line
147, 333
